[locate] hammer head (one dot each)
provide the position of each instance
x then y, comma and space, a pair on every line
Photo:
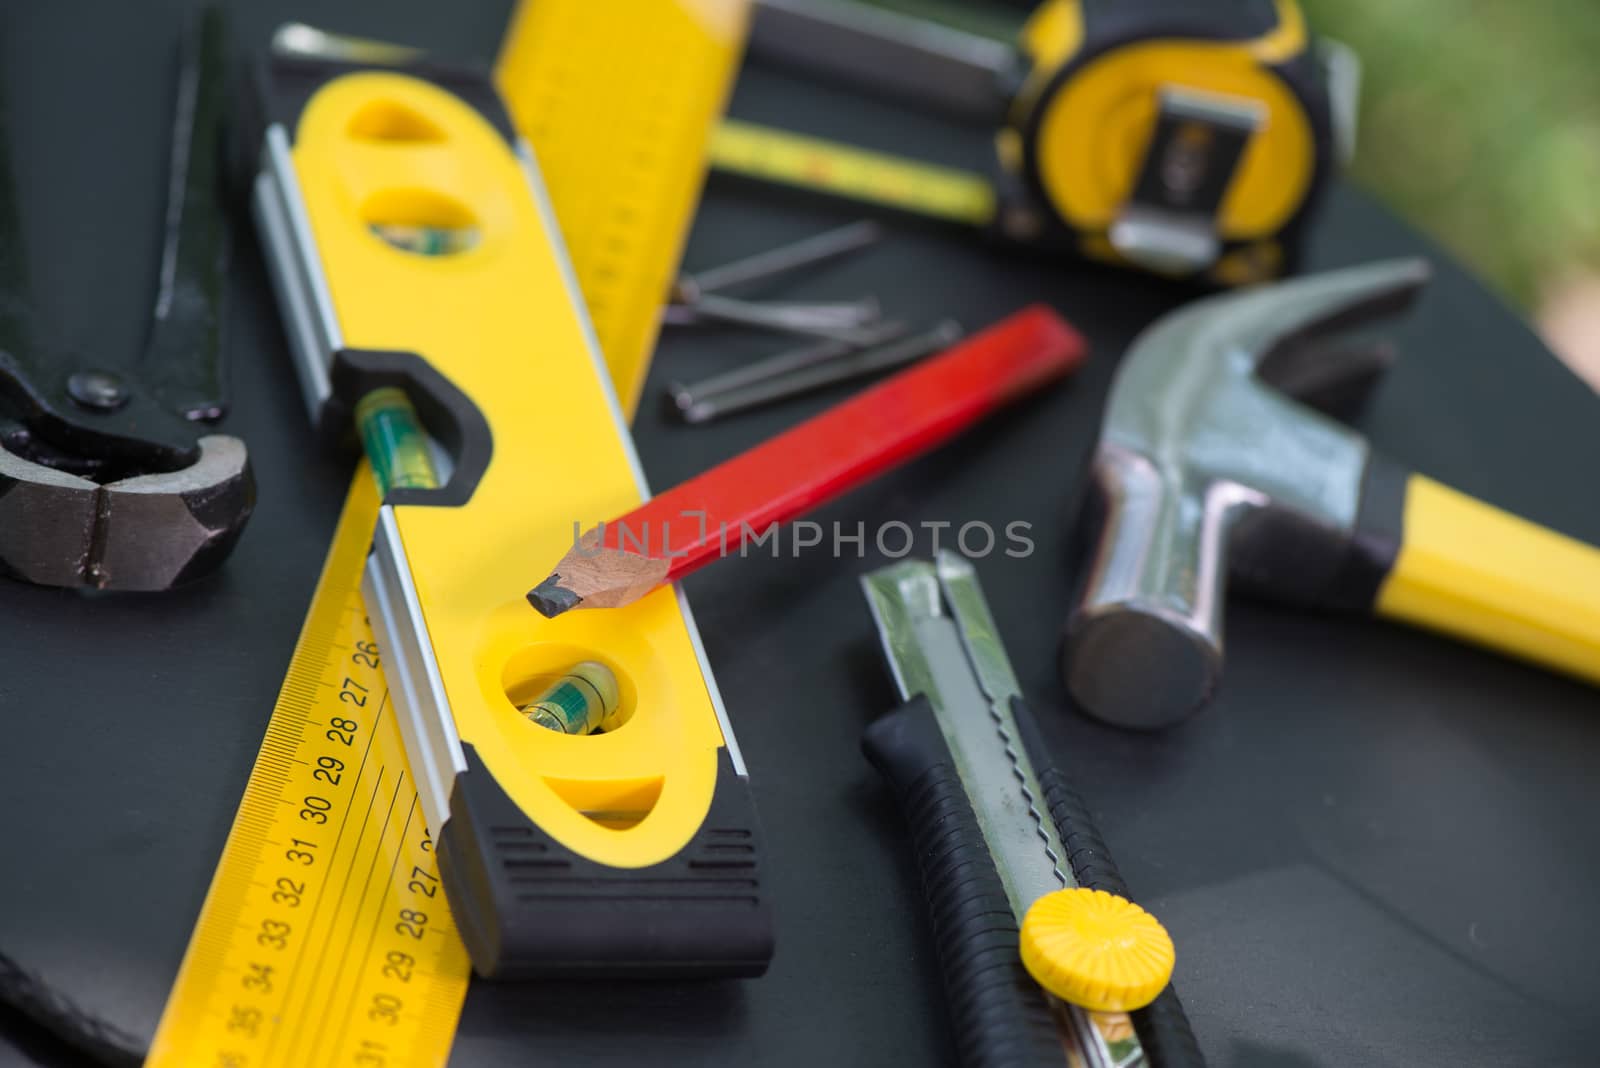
1206, 467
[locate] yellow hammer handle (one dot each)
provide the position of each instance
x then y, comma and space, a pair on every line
1473, 571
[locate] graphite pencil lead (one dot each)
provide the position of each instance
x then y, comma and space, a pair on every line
551, 598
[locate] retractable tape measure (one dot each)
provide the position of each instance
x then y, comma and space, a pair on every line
631, 852
1217, 111
1189, 138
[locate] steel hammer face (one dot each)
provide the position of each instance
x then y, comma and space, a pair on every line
1206, 467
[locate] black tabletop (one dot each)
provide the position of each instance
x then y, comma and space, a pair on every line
1377, 848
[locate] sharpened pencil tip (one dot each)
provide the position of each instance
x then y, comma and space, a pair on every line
550, 598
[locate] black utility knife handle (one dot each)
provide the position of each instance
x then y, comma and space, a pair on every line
1162, 1026
1000, 1016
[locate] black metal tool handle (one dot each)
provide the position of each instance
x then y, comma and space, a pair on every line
1000, 1016
109, 423
182, 362
1162, 1026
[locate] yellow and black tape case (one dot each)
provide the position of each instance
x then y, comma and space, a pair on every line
634, 851
1095, 79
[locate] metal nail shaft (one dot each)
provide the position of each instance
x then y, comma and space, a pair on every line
813, 250
783, 363
842, 313
750, 313
815, 377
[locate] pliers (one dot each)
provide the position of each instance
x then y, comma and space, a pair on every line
108, 478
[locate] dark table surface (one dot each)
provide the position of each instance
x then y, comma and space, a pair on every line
1377, 848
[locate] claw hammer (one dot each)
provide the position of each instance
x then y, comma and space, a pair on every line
1207, 470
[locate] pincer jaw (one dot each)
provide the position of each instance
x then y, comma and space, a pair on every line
144, 533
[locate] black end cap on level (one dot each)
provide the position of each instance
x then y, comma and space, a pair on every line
528, 907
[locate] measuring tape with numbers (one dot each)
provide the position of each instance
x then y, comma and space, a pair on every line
773, 155
325, 938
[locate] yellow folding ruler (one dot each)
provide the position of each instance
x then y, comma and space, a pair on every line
325, 938
619, 100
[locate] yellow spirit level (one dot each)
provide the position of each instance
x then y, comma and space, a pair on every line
634, 851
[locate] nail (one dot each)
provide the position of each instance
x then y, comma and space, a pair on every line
818, 248
786, 362
809, 379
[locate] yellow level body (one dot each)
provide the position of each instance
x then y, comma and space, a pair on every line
491, 342
619, 100
501, 322
325, 938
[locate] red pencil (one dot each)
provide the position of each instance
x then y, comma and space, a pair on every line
903, 416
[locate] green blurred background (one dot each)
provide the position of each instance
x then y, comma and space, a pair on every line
1480, 123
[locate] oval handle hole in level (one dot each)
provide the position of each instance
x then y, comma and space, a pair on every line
615, 804
388, 120
421, 221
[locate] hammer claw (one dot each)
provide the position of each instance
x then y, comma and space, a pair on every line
1333, 376
1270, 324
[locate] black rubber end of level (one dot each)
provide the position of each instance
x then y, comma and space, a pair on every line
528, 907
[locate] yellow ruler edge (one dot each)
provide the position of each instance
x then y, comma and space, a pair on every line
769, 154
325, 938
619, 100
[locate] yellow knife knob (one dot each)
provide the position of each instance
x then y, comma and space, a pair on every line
1096, 950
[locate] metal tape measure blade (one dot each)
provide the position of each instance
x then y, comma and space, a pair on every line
773, 155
